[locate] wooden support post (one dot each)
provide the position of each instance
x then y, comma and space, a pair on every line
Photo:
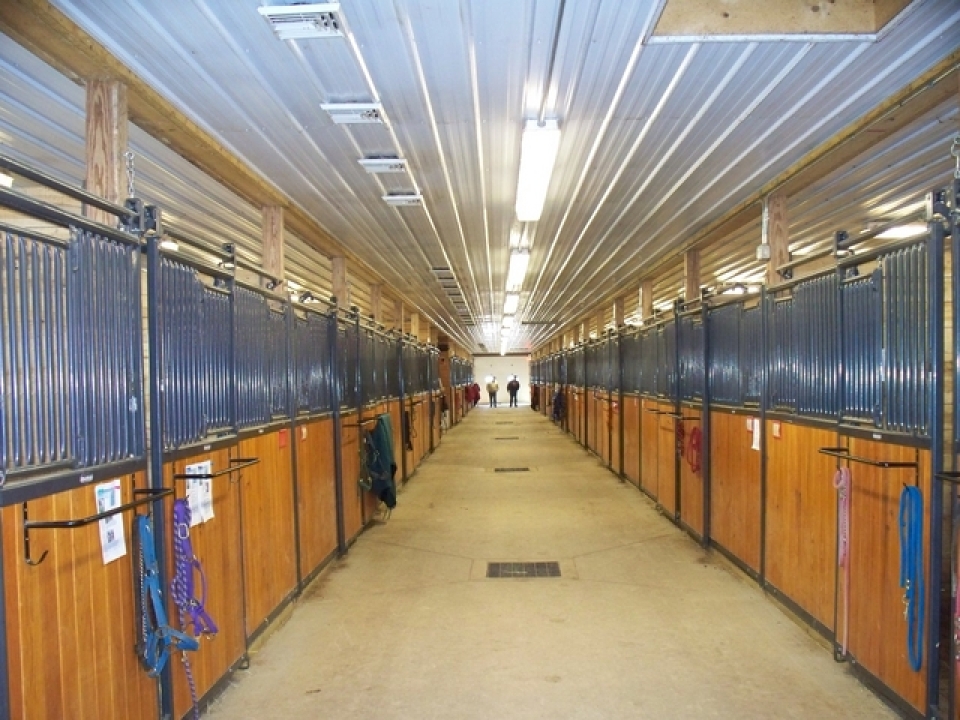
601, 321
415, 325
398, 318
434, 335
273, 255
778, 235
376, 303
106, 138
646, 300
618, 317
691, 276
341, 289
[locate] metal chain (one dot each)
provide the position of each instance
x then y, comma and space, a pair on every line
131, 173
955, 152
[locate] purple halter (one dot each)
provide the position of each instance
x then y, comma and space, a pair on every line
191, 609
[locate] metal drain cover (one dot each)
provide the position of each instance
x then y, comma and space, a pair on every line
523, 569
507, 422
508, 469
512, 437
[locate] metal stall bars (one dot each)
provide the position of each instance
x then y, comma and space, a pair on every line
890, 389
944, 207
71, 386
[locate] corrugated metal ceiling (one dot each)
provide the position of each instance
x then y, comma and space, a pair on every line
658, 140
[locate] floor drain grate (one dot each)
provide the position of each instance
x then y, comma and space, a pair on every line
508, 422
523, 569
517, 469
511, 437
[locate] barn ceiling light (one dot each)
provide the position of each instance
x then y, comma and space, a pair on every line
538, 153
517, 270
902, 232
6, 180
511, 303
379, 166
354, 113
304, 22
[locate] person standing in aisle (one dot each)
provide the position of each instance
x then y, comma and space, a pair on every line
513, 387
492, 389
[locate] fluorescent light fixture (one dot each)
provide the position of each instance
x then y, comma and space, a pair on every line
304, 22
510, 303
902, 232
354, 113
737, 289
505, 332
538, 153
403, 199
380, 166
168, 243
509, 321
6, 180
517, 270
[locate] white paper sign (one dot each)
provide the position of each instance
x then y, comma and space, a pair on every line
198, 490
112, 541
755, 445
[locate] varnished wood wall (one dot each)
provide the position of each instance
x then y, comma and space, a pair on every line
269, 550
735, 487
316, 493
613, 430
70, 621
801, 517
691, 483
667, 460
352, 499
650, 447
631, 438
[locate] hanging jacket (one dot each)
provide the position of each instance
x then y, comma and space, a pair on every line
380, 463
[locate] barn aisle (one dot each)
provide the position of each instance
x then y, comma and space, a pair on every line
641, 622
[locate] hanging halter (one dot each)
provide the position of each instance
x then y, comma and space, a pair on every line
694, 445
157, 638
911, 571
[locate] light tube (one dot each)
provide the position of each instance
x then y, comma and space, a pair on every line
538, 153
517, 270
510, 303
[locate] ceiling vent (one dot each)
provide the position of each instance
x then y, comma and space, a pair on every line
378, 166
354, 113
304, 22
403, 199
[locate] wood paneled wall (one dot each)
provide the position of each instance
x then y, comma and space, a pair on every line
593, 421
649, 447
613, 428
801, 517
878, 629
667, 460
735, 487
269, 543
71, 620
352, 500
575, 414
631, 438
691, 483
316, 493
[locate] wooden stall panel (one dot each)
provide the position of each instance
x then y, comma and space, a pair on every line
575, 415
801, 512
316, 493
269, 553
216, 543
71, 620
436, 422
691, 473
649, 447
614, 435
735, 487
631, 439
667, 460
878, 629
593, 416
546, 400
352, 497
396, 419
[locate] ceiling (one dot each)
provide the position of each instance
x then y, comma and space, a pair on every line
661, 136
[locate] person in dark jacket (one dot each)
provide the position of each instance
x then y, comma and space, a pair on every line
513, 387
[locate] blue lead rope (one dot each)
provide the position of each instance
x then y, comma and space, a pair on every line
157, 638
911, 571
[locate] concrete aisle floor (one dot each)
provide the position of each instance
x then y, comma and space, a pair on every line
642, 624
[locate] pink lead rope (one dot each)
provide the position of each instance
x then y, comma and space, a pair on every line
841, 481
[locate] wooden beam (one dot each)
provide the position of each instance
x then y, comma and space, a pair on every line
376, 303
48, 33
106, 142
434, 335
778, 235
415, 325
398, 316
646, 299
273, 253
341, 288
691, 275
618, 317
